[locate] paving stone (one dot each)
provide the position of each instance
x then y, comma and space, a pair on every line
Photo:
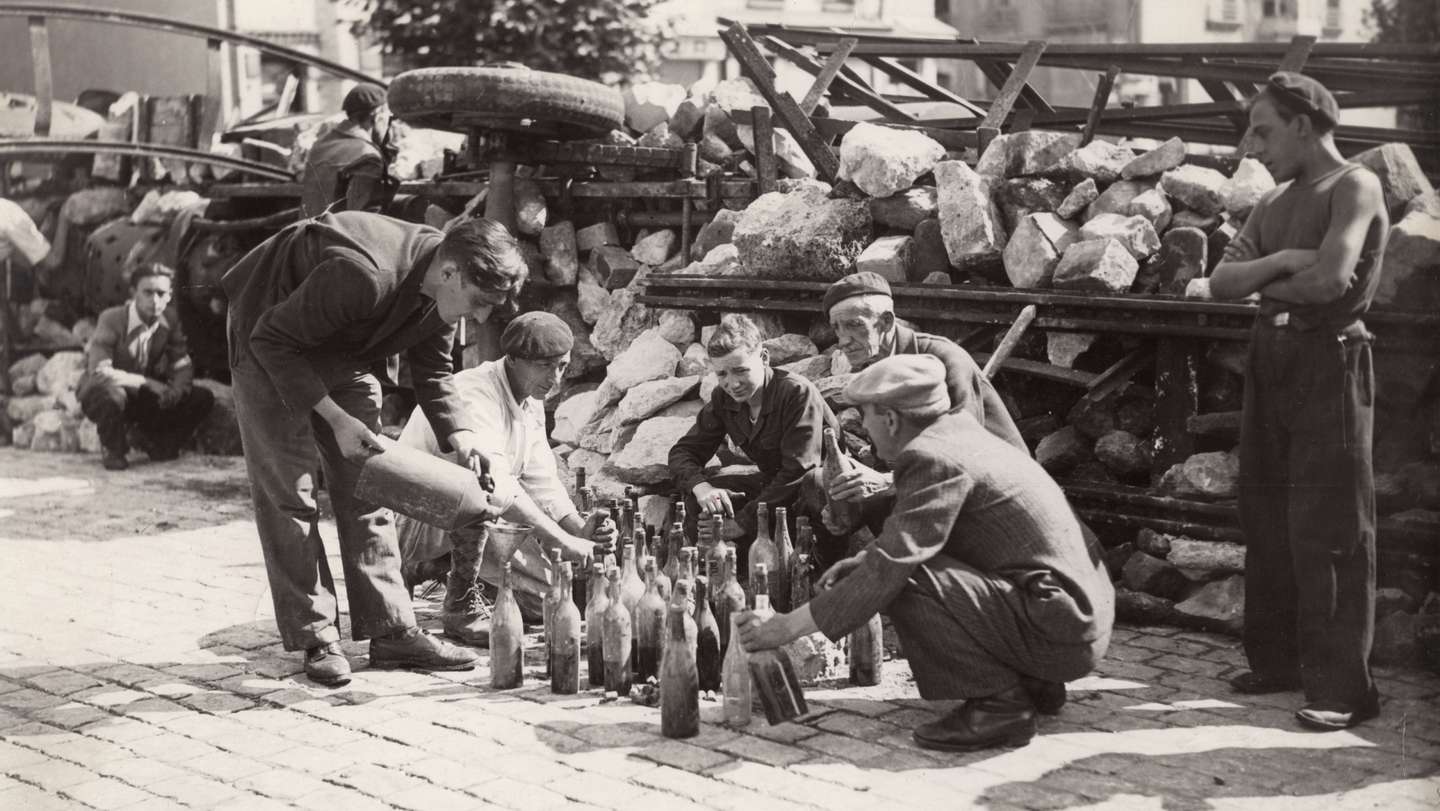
106, 793
682, 756
763, 751
843, 746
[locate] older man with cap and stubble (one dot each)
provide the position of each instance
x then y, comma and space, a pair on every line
861, 309
981, 567
348, 163
506, 398
318, 316
1311, 248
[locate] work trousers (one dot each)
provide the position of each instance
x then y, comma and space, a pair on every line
969, 634
163, 429
282, 451
1307, 508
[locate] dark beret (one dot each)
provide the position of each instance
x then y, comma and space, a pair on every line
363, 98
536, 335
863, 283
1306, 93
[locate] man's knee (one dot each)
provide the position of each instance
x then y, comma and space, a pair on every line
100, 399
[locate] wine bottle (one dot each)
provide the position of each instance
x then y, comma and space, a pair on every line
730, 600
617, 639
663, 582
579, 485
507, 638
763, 609
834, 464
735, 680
595, 625
679, 678
718, 546
762, 551
565, 641
800, 581
867, 645
672, 554
549, 604
784, 561
707, 638
649, 628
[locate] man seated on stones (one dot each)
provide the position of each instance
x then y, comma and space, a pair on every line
505, 399
861, 310
138, 373
981, 567
775, 417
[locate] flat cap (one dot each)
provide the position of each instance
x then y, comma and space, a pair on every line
536, 335
363, 98
902, 382
1306, 93
864, 283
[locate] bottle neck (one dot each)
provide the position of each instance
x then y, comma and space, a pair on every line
762, 601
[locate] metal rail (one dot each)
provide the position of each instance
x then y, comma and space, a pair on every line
11, 149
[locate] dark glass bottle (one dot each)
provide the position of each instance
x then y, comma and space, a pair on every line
649, 628
507, 638
707, 638
595, 625
784, 562
867, 645
617, 639
679, 676
564, 642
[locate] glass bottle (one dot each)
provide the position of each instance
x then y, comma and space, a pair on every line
507, 638
834, 463
617, 639
649, 628
735, 680
679, 676
784, 560
800, 581
663, 583
580, 486
867, 645
730, 599
763, 610
707, 638
595, 625
550, 603
564, 643
718, 545
672, 553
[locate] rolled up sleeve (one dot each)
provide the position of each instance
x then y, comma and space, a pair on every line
931, 497
688, 456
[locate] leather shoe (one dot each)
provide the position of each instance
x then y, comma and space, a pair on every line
1047, 696
1254, 683
1003, 719
114, 461
326, 664
1331, 716
413, 649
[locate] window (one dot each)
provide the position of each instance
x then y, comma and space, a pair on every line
1278, 8
1332, 14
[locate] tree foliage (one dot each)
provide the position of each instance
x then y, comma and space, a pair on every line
1409, 22
593, 39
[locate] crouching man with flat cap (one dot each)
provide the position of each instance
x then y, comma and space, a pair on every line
505, 400
981, 567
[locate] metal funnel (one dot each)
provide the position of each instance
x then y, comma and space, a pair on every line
505, 538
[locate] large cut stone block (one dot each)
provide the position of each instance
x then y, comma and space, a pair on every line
647, 399
1135, 233
622, 321
802, 235
1197, 187
715, 233
649, 357
1410, 271
648, 104
1035, 248
645, 458
1400, 175
788, 348
1157, 161
571, 416
969, 220
1099, 160
557, 245
1096, 265
654, 248
1183, 256
887, 256
1084, 193
905, 209
1245, 188
1025, 153
883, 161
1062, 348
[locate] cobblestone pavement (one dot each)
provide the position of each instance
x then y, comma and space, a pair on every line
139, 667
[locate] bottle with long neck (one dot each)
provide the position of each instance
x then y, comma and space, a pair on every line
679, 675
735, 680
595, 625
550, 603
580, 487
804, 535
678, 515
707, 638
617, 639
718, 546
632, 586
763, 609
800, 581
565, 641
784, 560
833, 464
627, 517
663, 582
762, 551
649, 628
507, 638
730, 599
867, 646
673, 543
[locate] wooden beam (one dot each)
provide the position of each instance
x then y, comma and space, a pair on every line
1010, 341
214, 90
1014, 84
764, 149
1097, 105
845, 82
1220, 92
44, 79
754, 66
1297, 54
832, 66
905, 76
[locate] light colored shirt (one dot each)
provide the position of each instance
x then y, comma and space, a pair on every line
512, 435
18, 233
138, 333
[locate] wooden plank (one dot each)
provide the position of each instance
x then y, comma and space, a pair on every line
1298, 53
1220, 92
1097, 105
905, 76
764, 149
754, 66
1044, 371
209, 118
44, 78
1119, 374
1177, 399
846, 83
832, 66
1010, 341
1014, 84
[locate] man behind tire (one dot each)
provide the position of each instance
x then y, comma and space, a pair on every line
348, 162
1311, 248
317, 315
138, 372
981, 566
